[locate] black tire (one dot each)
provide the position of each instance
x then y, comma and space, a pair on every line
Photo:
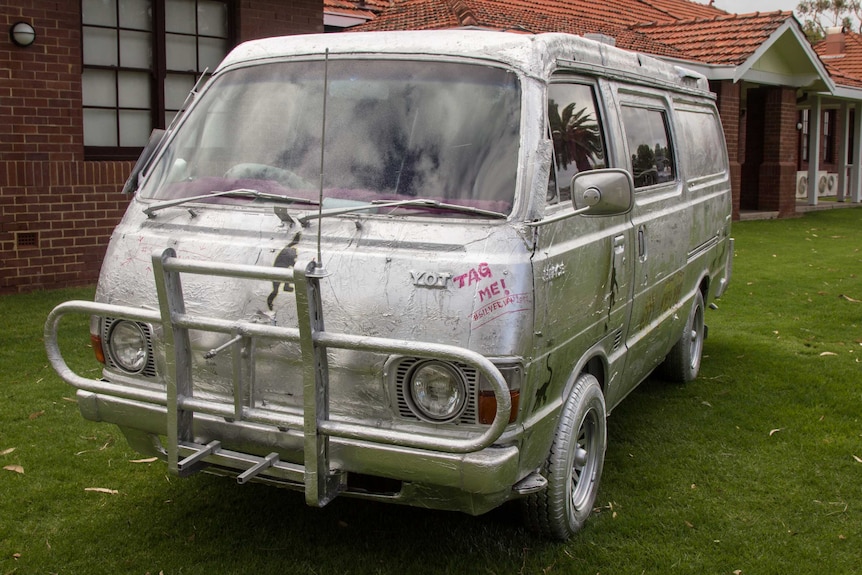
683, 362
574, 465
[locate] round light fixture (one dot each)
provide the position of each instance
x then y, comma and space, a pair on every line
438, 392
22, 34
127, 345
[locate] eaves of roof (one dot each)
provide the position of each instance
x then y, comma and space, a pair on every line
363, 14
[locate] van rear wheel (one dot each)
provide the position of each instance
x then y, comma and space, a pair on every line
574, 466
683, 361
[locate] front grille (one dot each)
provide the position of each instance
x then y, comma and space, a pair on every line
400, 373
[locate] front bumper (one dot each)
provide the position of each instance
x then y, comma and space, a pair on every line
470, 482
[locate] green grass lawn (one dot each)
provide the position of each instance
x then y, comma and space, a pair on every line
754, 468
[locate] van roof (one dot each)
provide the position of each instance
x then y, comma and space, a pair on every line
537, 55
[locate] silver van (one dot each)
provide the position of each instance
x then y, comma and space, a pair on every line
414, 267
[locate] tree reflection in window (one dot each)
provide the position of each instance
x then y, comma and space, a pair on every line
577, 136
649, 146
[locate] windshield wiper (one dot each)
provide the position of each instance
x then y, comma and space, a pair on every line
237, 193
420, 203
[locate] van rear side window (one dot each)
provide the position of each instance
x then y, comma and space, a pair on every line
650, 146
701, 147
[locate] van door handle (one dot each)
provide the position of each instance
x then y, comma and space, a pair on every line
642, 255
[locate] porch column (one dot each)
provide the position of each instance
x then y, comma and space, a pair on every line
777, 172
728, 93
843, 136
814, 148
855, 191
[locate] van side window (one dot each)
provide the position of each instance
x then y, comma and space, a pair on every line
700, 143
650, 146
576, 131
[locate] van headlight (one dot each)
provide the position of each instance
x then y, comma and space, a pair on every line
438, 390
127, 345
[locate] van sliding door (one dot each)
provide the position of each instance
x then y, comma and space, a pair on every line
661, 217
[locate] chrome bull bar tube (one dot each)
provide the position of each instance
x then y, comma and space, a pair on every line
322, 483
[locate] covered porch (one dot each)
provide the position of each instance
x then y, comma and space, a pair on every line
772, 98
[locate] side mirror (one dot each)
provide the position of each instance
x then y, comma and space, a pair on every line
605, 192
156, 137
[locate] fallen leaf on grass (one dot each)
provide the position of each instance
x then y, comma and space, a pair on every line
828, 353
15, 468
858, 460
37, 415
774, 431
7, 451
16, 556
147, 460
850, 299
102, 490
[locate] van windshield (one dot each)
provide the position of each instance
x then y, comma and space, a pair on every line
394, 130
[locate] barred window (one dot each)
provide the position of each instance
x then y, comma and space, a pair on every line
140, 60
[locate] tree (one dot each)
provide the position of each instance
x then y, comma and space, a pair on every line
817, 15
576, 137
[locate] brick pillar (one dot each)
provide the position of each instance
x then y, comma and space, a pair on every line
777, 173
728, 94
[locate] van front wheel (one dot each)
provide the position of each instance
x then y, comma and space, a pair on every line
574, 466
683, 361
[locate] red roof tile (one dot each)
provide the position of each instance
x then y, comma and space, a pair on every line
682, 29
708, 35
727, 40
685, 10
846, 67
533, 15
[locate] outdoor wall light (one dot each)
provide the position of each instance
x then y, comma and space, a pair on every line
22, 34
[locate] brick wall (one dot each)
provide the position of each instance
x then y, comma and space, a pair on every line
57, 210
56, 220
263, 18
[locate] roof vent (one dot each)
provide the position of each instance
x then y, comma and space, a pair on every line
601, 38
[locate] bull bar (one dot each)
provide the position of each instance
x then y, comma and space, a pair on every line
322, 481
